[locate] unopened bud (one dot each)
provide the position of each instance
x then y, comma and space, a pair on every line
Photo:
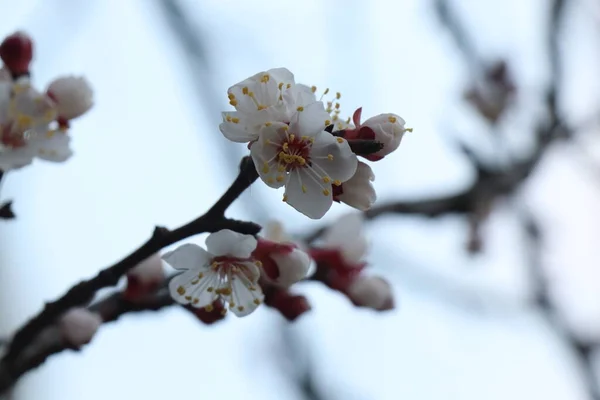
16, 51
78, 326
73, 96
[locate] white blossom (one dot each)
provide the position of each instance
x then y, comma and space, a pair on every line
73, 96
389, 130
305, 159
25, 130
78, 326
346, 234
358, 191
224, 271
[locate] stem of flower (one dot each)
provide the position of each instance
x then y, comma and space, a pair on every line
82, 293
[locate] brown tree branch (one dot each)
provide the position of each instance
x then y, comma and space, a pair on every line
51, 340
82, 293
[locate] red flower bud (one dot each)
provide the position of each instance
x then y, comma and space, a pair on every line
17, 52
289, 305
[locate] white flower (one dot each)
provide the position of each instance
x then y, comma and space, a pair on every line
372, 292
78, 326
389, 130
271, 96
358, 191
305, 159
25, 133
73, 96
346, 235
226, 271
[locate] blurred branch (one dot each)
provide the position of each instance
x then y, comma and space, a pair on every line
582, 351
213, 220
450, 21
51, 340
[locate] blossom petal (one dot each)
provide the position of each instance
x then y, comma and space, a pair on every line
238, 127
195, 288
51, 145
358, 191
264, 154
282, 75
246, 295
310, 121
333, 156
188, 256
15, 158
347, 235
255, 93
307, 195
229, 243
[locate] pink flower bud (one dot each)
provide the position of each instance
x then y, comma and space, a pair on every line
389, 130
17, 52
358, 191
78, 326
371, 292
73, 96
283, 263
144, 278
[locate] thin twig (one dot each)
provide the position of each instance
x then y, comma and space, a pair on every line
82, 293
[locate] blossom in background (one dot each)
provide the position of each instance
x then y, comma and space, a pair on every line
358, 191
284, 262
78, 325
340, 264
371, 292
225, 271
34, 124
305, 159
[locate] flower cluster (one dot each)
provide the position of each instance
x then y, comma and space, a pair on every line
298, 143
34, 123
239, 272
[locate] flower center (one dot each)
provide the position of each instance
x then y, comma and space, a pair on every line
294, 152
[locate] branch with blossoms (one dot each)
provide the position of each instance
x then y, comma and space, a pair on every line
293, 144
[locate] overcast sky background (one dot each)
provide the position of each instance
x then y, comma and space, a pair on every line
150, 153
